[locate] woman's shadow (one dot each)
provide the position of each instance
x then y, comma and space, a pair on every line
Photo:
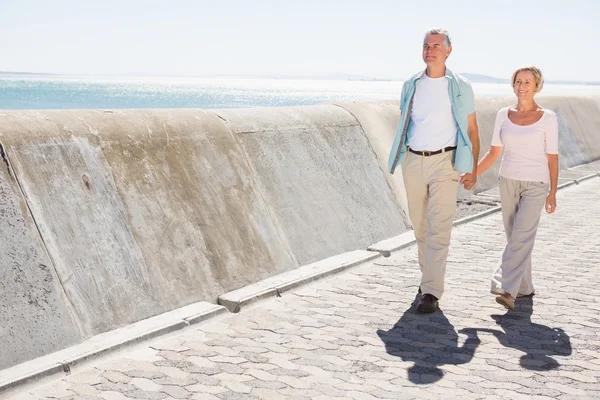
538, 342
428, 340
431, 341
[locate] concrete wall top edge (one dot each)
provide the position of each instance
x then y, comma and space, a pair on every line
154, 123
124, 124
286, 118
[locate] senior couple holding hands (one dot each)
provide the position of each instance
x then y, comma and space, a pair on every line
437, 147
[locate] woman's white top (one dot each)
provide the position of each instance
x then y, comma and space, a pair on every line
526, 147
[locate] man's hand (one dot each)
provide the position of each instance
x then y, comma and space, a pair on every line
468, 180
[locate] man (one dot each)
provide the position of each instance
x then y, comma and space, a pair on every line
437, 139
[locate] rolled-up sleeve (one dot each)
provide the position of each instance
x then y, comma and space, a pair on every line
403, 95
468, 98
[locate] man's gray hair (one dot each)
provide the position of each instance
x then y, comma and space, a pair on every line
439, 31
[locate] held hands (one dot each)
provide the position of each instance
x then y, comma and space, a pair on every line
468, 180
551, 203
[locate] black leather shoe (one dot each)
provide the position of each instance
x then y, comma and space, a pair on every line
427, 304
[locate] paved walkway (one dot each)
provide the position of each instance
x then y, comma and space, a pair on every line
354, 336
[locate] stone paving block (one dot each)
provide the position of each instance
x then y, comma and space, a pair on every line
234, 369
27, 396
168, 381
145, 385
250, 350
293, 382
177, 392
204, 396
202, 362
359, 395
266, 394
56, 391
92, 376
145, 395
224, 377
116, 377
229, 360
578, 377
144, 374
236, 386
107, 395
170, 355
83, 389
206, 379
143, 366
121, 365
199, 388
116, 387
261, 375
203, 371
147, 354
260, 366
273, 385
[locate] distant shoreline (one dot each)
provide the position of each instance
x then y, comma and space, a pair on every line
473, 78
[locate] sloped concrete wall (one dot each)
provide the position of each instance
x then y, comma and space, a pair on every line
320, 177
379, 121
142, 212
579, 124
34, 312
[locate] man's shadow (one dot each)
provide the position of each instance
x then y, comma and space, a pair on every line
428, 340
537, 341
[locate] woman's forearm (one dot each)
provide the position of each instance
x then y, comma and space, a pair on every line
489, 159
553, 168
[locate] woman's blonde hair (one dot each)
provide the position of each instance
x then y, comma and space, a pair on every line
537, 74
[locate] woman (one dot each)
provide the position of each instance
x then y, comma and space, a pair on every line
528, 179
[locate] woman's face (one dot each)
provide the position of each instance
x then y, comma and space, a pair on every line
525, 85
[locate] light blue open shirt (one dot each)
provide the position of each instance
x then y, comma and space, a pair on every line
462, 100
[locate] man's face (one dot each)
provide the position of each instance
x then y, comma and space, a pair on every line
435, 51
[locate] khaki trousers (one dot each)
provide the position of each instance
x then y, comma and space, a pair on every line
522, 204
431, 189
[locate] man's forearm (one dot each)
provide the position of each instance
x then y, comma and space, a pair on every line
474, 136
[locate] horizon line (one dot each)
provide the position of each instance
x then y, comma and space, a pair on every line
320, 76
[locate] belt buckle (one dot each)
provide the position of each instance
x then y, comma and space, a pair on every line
427, 153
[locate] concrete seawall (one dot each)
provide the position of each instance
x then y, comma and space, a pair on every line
135, 212
112, 217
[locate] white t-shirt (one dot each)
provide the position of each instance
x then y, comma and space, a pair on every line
526, 147
432, 126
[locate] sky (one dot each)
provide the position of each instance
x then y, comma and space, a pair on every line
376, 38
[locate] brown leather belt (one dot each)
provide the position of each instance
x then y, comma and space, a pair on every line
431, 153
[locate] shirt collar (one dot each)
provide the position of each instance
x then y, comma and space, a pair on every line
448, 75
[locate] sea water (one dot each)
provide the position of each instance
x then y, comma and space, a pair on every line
18, 92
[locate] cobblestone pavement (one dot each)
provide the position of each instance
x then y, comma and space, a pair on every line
354, 335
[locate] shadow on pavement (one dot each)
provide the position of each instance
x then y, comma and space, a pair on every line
537, 341
428, 340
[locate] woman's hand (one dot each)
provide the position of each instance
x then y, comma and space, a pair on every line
551, 203
468, 180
